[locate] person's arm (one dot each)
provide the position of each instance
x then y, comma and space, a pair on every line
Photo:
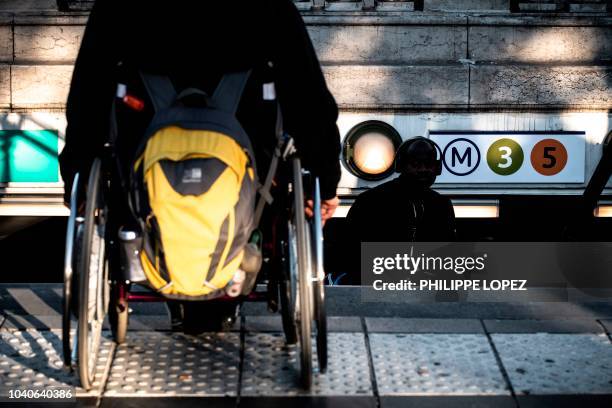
91, 92
309, 110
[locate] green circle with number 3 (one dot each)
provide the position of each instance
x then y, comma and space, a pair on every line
505, 157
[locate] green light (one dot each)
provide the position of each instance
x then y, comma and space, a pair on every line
29, 156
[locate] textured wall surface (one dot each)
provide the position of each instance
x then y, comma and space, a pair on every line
471, 54
541, 44
40, 86
6, 43
388, 43
47, 43
398, 86
556, 86
5, 86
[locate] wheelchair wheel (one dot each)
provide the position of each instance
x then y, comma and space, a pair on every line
92, 270
69, 263
319, 279
301, 271
287, 309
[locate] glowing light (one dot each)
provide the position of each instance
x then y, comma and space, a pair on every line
603, 211
373, 153
475, 209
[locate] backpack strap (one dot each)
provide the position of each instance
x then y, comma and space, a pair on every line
160, 90
264, 190
229, 91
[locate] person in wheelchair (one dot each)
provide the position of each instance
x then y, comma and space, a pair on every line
195, 44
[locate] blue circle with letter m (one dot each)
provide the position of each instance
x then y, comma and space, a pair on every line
461, 157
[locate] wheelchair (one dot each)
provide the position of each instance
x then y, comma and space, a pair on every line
293, 283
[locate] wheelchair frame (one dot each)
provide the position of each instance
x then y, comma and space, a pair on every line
92, 289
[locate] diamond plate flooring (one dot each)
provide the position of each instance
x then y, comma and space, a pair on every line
170, 364
33, 358
272, 369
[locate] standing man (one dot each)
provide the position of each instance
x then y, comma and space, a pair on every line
406, 208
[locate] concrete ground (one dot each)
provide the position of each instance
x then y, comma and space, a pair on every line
380, 355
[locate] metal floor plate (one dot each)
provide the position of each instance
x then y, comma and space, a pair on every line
547, 363
422, 364
172, 364
272, 369
33, 358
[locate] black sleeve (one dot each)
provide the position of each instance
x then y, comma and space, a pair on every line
309, 110
357, 220
91, 91
352, 220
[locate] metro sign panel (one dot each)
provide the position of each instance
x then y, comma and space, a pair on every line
511, 157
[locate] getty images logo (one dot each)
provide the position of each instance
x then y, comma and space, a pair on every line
408, 263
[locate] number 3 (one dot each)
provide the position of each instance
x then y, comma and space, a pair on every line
506, 155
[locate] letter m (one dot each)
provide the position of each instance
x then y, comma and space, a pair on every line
466, 155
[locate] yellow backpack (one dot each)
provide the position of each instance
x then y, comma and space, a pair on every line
193, 188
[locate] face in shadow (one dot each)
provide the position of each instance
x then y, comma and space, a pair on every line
417, 163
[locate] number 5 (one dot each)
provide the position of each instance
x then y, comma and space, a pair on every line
552, 160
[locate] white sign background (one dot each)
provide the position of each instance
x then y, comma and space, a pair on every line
573, 172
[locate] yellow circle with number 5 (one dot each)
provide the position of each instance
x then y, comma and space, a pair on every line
505, 157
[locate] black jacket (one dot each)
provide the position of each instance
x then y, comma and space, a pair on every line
195, 42
398, 212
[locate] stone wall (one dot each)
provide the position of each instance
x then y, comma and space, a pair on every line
474, 59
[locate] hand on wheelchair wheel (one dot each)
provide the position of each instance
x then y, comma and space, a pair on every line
328, 207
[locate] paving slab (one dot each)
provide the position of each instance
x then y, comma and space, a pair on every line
263, 324
564, 401
49, 322
39, 322
400, 325
271, 368
546, 363
175, 365
442, 401
275, 324
435, 364
167, 401
149, 323
308, 402
344, 324
35, 300
543, 326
